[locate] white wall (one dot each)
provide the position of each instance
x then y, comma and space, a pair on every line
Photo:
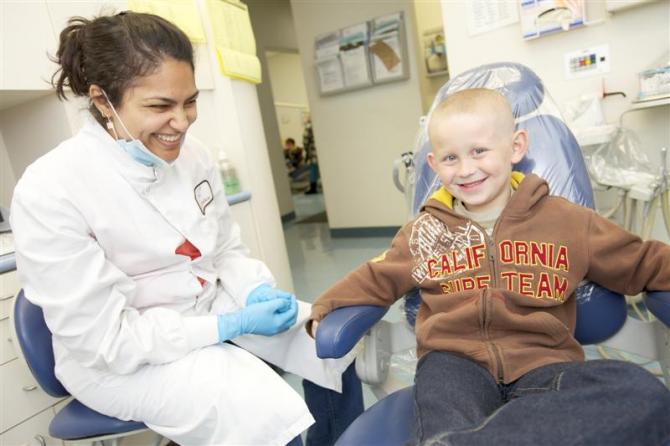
358, 134
48, 121
7, 177
428, 14
288, 90
288, 83
273, 29
637, 37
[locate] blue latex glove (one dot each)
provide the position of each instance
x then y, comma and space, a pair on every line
263, 318
266, 292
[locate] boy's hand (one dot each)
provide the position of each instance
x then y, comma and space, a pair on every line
315, 324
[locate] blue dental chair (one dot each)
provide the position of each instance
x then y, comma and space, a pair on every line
74, 422
601, 315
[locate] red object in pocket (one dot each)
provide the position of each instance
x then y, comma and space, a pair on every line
189, 250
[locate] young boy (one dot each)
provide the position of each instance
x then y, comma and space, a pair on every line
497, 261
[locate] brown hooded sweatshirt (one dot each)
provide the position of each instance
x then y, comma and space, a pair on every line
505, 301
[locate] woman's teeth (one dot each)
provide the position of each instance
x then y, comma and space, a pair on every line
168, 138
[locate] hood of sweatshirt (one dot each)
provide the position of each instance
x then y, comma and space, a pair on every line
529, 190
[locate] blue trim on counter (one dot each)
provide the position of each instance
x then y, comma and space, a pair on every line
238, 197
7, 263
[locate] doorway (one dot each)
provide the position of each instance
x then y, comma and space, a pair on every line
295, 131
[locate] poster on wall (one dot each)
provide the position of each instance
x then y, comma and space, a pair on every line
540, 17
354, 55
327, 45
362, 55
330, 74
386, 48
485, 15
328, 65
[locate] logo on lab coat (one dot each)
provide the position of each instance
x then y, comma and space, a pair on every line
203, 195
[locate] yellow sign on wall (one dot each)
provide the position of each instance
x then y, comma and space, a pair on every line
182, 13
234, 40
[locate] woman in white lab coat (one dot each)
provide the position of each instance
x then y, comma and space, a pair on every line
124, 237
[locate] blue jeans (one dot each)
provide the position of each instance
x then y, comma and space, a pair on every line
605, 402
333, 411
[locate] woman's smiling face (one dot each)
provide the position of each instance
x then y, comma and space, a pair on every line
158, 108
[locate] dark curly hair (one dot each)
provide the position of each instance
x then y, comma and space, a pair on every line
111, 51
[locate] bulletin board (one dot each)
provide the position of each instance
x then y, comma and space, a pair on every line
362, 55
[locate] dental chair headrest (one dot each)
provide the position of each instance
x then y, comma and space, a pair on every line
522, 88
553, 152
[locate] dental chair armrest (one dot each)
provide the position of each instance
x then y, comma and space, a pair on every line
341, 329
658, 302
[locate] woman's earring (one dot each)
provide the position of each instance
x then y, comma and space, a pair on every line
110, 126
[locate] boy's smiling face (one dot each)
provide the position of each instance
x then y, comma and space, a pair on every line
473, 152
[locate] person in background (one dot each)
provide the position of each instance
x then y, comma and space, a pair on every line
497, 261
310, 157
292, 154
125, 239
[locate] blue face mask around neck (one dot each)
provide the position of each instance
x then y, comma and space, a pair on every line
135, 148
139, 152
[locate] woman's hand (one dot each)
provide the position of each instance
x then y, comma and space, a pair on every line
263, 318
270, 317
266, 292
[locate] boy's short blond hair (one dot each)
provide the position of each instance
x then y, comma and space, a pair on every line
475, 101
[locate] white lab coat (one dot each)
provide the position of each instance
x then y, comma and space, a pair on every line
134, 331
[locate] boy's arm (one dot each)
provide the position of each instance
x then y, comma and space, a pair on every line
380, 281
622, 262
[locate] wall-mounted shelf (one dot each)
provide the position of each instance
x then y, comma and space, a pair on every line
438, 73
652, 102
621, 5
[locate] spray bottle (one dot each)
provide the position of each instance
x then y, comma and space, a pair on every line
231, 184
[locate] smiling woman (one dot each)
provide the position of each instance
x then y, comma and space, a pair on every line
139, 93
156, 111
141, 272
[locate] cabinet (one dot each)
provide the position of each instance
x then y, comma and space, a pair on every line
25, 410
25, 66
33, 432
